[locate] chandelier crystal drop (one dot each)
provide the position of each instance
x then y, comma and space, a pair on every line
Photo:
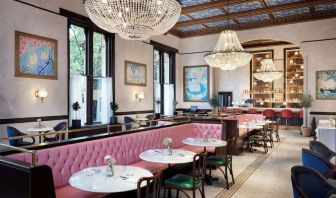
268, 71
134, 19
228, 53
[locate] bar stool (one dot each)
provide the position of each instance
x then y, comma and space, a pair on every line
269, 114
287, 114
300, 117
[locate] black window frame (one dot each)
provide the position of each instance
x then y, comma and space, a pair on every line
162, 49
90, 28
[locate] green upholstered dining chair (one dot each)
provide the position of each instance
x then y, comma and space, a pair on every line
152, 189
183, 182
261, 138
223, 158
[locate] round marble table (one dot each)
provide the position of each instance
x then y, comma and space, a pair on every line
203, 143
179, 156
39, 130
94, 179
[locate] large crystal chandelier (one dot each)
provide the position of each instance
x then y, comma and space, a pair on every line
228, 53
268, 71
134, 19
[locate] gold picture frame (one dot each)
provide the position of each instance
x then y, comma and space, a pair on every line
135, 74
203, 93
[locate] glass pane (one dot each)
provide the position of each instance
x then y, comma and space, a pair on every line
102, 97
166, 58
168, 99
78, 94
99, 55
157, 97
77, 50
156, 66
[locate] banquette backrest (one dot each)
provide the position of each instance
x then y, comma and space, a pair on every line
67, 159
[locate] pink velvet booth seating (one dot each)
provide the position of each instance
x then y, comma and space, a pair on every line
247, 118
68, 159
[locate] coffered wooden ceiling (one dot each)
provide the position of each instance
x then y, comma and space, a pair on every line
202, 17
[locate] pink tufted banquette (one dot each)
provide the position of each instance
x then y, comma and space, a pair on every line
66, 160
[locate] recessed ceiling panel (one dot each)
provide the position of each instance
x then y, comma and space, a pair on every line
253, 18
191, 28
291, 12
323, 7
279, 2
183, 18
243, 7
186, 3
206, 13
220, 23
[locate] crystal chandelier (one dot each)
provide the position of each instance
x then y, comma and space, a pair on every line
134, 19
268, 71
228, 53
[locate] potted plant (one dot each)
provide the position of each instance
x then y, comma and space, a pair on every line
250, 102
306, 101
214, 103
114, 107
76, 123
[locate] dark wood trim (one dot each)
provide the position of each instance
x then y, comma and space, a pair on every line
40, 8
322, 113
318, 40
265, 44
134, 112
163, 47
32, 119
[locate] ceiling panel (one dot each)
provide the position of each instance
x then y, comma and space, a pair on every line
206, 13
253, 18
279, 2
243, 7
186, 3
191, 28
183, 18
291, 12
220, 23
323, 7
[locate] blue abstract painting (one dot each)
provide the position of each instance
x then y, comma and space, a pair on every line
196, 83
326, 85
135, 74
36, 57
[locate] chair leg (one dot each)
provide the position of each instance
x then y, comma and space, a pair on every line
231, 172
226, 178
203, 192
164, 191
177, 193
194, 193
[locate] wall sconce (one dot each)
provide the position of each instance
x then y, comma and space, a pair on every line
41, 94
139, 96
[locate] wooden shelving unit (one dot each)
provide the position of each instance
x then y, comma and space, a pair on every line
262, 91
294, 78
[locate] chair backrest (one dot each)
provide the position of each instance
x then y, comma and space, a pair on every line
225, 151
13, 132
150, 117
286, 113
315, 161
128, 122
152, 188
60, 126
269, 113
321, 148
308, 183
199, 167
300, 114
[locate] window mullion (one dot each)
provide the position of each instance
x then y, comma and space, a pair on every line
89, 70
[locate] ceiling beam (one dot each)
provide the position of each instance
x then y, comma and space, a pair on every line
212, 5
258, 11
264, 23
265, 44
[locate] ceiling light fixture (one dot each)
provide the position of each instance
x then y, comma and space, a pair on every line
268, 71
134, 19
228, 53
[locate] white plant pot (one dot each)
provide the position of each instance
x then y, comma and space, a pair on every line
306, 131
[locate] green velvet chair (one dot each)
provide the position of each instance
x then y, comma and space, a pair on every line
223, 158
261, 138
183, 182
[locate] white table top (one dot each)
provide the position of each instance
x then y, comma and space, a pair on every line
39, 129
250, 126
95, 179
201, 142
141, 119
179, 156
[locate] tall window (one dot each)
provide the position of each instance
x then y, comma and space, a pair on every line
90, 62
164, 81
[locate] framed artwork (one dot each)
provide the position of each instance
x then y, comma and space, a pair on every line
326, 85
196, 83
35, 56
135, 74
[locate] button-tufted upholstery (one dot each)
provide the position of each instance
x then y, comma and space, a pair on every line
247, 118
68, 159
